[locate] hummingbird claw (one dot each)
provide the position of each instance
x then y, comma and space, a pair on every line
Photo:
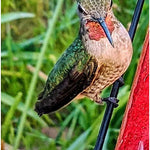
111, 100
99, 101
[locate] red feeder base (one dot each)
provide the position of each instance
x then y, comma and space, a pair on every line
134, 133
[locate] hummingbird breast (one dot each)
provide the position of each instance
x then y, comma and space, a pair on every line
112, 61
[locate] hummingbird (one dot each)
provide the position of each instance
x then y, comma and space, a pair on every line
99, 56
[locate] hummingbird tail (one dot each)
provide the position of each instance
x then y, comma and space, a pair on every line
38, 110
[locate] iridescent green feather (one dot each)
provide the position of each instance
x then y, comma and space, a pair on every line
90, 5
73, 73
75, 56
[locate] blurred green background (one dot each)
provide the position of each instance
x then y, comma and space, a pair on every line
34, 34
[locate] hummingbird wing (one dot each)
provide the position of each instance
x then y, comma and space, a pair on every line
74, 72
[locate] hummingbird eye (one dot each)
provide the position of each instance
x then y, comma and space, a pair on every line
111, 3
81, 10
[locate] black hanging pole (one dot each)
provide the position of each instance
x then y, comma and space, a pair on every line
114, 92
136, 18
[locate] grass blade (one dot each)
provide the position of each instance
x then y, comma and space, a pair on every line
35, 76
14, 16
8, 100
79, 142
10, 114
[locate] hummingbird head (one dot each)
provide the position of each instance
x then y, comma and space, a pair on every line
95, 11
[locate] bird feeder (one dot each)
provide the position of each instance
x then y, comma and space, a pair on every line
134, 133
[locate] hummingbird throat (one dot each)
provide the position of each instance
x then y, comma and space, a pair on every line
96, 32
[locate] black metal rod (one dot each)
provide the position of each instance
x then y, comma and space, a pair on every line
136, 18
114, 92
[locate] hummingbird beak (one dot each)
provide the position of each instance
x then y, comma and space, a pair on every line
105, 28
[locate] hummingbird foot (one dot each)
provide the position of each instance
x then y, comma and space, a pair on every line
98, 99
121, 81
111, 100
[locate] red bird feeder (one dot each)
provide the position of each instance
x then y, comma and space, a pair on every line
134, 134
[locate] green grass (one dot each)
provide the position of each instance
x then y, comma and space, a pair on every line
36, 33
